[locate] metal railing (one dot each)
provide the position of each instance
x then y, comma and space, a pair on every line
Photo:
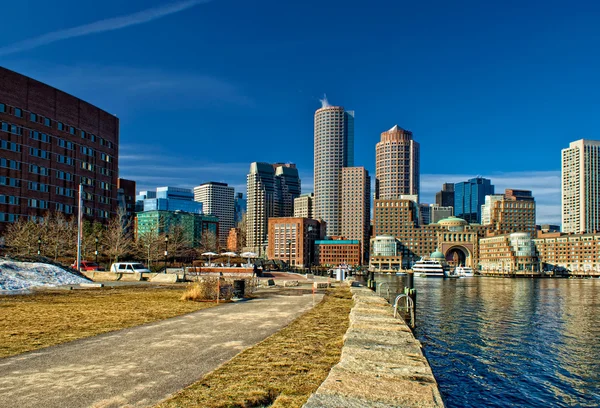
409, 307
388, 289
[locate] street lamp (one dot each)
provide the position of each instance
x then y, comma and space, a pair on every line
166, 251
39, 246
289, 242
96, 252
310, 242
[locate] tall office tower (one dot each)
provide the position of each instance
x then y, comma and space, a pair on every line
51, 144
424, 214
396, 165
437, 213
334, 149
218, 199
581, 187
469, 196
304, 206
269, 188
445, 197
240, 207
126, 201
356, 206
509, 213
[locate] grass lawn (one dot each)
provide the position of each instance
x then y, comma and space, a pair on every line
30, 322
283, 370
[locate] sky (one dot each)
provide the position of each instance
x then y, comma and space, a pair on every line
204, 88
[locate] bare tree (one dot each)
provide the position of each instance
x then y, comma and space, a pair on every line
208, 241
179, 243
60, 236
22, 236
117, 240
242, 227
150, 245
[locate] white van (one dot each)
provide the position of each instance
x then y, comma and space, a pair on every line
129, 267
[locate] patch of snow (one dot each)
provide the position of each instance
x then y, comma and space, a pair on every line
21, 276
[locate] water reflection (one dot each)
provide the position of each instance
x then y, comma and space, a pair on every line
510, 342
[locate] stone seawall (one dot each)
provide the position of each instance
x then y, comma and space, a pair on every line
381, 364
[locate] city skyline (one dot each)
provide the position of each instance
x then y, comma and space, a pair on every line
504, 82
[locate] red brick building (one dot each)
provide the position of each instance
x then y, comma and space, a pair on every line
50, 142
338, 251
292, 239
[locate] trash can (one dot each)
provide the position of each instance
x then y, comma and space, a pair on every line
239, 287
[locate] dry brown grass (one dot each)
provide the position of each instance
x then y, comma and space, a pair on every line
283, 370
30, 322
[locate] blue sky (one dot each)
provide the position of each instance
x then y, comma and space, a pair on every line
203, 88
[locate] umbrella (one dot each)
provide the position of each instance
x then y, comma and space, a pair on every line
209, 254
248, 255
229, 255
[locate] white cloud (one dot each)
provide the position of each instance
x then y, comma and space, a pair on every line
110, 24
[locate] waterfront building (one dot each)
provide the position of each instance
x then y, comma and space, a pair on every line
512, 212
217, 199
445, 197
508, 254
240, 204
577, 253
548, 228
292, 240
271, 189
169, 199
437, 213
469, 196
397, 165
384, 254
356, 207
580, 200
333, 149
52, 142
338, 251
304, 206
193, 225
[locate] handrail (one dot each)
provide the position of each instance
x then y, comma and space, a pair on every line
409, 307
379, 288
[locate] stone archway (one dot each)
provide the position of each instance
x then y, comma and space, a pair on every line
458, 255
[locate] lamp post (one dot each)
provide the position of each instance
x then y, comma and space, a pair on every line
96, 252
166, 251
39, 246
310, 241
289, 242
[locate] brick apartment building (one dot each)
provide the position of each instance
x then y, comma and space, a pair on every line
50, 142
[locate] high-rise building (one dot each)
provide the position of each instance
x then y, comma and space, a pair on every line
356, 206
469, 196
437, 213
270, 188
240, 207
51, 143
424, 214
396, 165
486, 208
126, 201
445, 197
304, 206
217, 199
334, 149
581, 187
509, 213
168, 199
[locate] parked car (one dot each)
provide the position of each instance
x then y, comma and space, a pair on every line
87, 266
129, 267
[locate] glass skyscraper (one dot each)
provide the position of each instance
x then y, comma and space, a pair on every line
469, 196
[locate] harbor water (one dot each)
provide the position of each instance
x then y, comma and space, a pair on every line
495, 342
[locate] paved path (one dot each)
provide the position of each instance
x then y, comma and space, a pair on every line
141, 366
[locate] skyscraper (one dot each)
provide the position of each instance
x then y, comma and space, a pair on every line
396, 165
217, 199
240, 207
445, 197
334, 149
304, 206
270, 187
356, 206
469, 196
580, 187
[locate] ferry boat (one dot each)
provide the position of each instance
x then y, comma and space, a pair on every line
430, 268
464, 271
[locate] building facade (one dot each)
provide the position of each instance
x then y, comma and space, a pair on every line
292, 240
577, 253
269, 187
168, 199
240, 207
193, 225
469, 196
218, 199
304, 206
333, 149
508, 254
580, 187
510, 213
445, 197
397, 165
126, 201
338, 251
356, 207
437, 213
50, 143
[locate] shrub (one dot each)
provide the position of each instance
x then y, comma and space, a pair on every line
205, 289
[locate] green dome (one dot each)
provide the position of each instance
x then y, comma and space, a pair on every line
437, 255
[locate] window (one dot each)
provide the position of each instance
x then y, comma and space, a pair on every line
65, 144
47, 122
10, 146
18, 113
33, 117
2, 108
35, 203
38, 153
63, 175
82, 134
67, 192
44, 188
10, 200
10, 182
42, 137
64, 159
60, 126
71, 130
87, 151
11, 164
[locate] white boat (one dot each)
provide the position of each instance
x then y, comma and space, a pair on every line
464, 271
429, 268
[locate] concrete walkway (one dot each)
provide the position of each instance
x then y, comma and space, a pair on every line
141, 366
